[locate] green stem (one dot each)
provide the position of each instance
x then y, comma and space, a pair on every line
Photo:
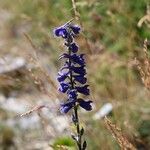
78, 128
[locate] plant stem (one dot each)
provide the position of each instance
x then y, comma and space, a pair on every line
76, 112
77, 127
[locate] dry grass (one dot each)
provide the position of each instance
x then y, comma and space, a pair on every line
108, 40
44, 81
118, 135
144, 66
145, 19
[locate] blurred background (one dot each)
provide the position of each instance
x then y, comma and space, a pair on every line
113, 32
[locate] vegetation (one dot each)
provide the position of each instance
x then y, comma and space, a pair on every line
112, 38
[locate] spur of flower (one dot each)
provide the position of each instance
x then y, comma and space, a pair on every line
72, 76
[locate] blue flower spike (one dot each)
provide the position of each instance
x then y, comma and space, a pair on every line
71, 76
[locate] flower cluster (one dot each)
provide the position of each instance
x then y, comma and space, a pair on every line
72, 75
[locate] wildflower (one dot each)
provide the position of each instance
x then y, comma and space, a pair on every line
61, 31
83, 89
85, 104
73, 47
73, 70
62, 76
66, 107
63, 87
71, 77
72, 94
80, 78
75, 29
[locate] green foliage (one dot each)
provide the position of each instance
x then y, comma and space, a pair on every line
144, 128
7, 136
64, 141
110, 23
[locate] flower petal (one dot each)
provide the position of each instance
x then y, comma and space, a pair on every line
85, 104
81, 79
61, 31
72, 94
62, 76
65, 108
79, 70
75, 28
83, 90
63, 87
73, 47
64, 55
78, 59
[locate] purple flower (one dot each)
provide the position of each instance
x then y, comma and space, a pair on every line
78, 59
61, 31
72, 94
62, 76
64, 108
79, 70
83, 89
75, 28
81, 79
63, 87
73, 47
73, 69
64, 55
85, 104
72, 78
